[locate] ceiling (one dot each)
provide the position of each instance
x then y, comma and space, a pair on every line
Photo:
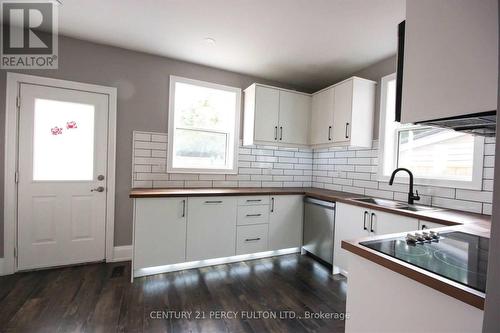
305, 43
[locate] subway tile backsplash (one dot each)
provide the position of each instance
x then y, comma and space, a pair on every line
354, 170
346, 169
259, 166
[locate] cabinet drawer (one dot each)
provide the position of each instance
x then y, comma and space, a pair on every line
251, 238
253, 200
253, 215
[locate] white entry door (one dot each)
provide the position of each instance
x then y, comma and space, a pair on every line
62, 169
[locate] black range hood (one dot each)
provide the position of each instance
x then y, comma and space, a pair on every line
483, 124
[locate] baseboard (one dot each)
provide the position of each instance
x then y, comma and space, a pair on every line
122, 253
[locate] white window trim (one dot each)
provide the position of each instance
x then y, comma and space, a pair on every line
234, 170
477, 171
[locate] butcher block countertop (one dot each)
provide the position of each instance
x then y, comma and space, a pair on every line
442, 216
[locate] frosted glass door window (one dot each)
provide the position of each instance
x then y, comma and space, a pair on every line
63, 141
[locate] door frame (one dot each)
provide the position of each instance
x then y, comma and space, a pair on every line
14, 80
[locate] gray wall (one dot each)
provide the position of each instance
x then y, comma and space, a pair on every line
142, 82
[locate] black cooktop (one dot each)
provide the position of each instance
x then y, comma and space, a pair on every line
458, 256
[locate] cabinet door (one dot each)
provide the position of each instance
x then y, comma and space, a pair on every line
351, 222
294, 117
267, 102
322, 117
285, 221
385, 223
342, 111
159, 232
211, 227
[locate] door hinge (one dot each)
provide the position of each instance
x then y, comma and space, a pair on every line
16, 177
18, 102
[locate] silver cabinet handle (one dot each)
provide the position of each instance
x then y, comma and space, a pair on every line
347, 130
330, 133
98, 189
275, 132
364, 220
183, 208
254, 200
272, 205
254, 215
371, 222
252, 239
213, 201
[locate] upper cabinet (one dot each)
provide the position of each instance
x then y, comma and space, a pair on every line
338, 115
450, 59
343, 114
276, 115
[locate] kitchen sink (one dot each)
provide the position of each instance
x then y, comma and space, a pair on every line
396, 205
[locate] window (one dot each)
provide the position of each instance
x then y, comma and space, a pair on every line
204, 121
436, 156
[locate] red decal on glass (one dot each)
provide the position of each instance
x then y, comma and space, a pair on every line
56, 130
71, 124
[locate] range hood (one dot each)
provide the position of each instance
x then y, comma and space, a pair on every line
482, 124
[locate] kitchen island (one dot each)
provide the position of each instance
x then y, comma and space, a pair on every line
415, 299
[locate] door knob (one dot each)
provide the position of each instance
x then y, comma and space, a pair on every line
99, 189
100, 177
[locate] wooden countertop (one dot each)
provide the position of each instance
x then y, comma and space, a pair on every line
452, 219
442, 216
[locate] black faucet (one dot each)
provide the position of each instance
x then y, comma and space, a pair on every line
411, 197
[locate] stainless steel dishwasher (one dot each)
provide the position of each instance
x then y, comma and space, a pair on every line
319, 220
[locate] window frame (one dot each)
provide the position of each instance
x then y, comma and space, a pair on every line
232, 148
478, 158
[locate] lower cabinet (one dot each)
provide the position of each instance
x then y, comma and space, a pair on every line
177, 230
211, 231
353, 222
285, 221
159, 232
252, 238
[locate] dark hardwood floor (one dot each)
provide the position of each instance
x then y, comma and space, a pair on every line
100, 298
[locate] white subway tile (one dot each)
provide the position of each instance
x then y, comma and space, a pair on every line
343, 181
261, 177
142, 152
283, 165
292, 184
142, 168
489, 149
198, 183
470, 195
294, 172
142, 184
487, 209
304, 154
168, 183
272, 184
360, 161
211, 177
141, 136
237, 177
351, 189
183, 176
488, 185
333, 187
250, 158
365, 184
468, 206
158, 168
250, 171
282, 178
263, 165
262, 152
345, 153
358, 175
282, 153
249, 184
159, 153
150, 145
489, 161
225, 183
488, 173
159, 138
150, 160
151, 176
267, 159
379, 193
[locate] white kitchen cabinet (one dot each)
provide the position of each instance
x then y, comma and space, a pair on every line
275, 115
285, 221
211, 228
159, 232
382, 223
252, 238
422, 225
450, 59
322, 117
266, 113
346, 118
352, 222
294, 115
